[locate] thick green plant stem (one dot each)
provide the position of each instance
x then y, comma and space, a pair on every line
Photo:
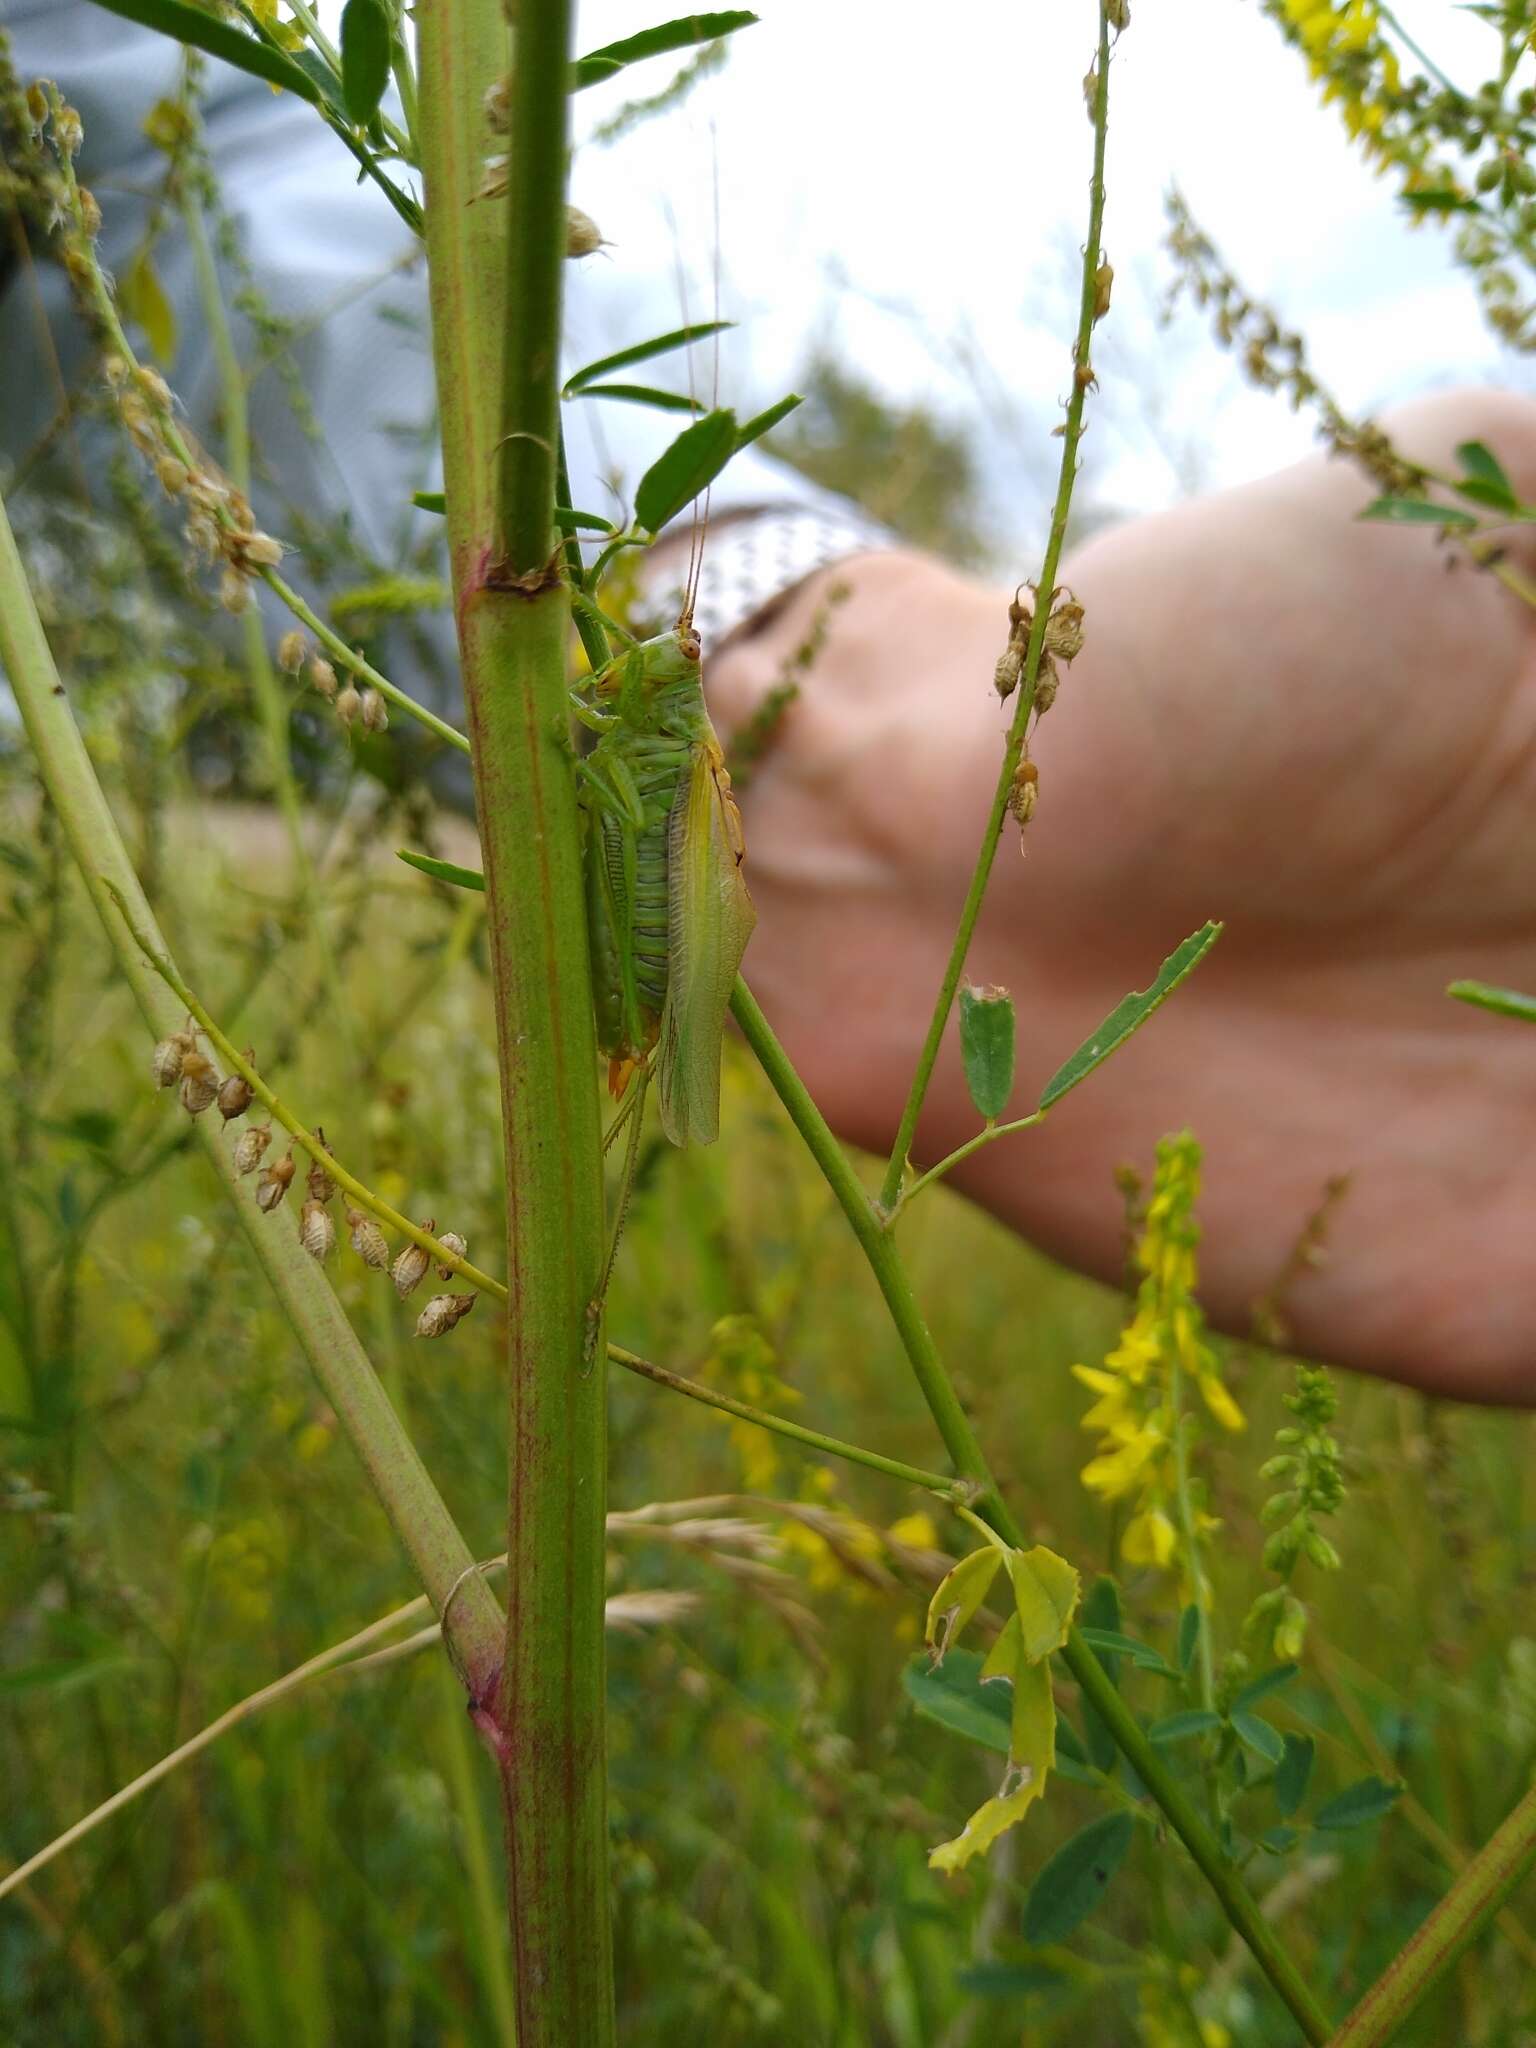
1477, 1896
437, 1551
495, 333
960, 1441
1072, 434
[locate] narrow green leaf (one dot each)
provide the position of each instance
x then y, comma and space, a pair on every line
1417, 512
327, 84
570, 521
1506, 1002
666, 36
202, 31
642, 394
689, 466
1266, 1682
1142, 1655
1189, 1636
764, 422
442, 870
1076, 1879
1180, 1727
1294, 1773
1358, 1804
987, 1035
1008, 1980
955, 1697
364, 58
1259, 1736
1130, 1014
1479, 461
642, 351
430, 501
1439, 200
1490, 495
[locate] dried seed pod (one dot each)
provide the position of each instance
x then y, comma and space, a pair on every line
1118, 14
116, 371
173, 475
234, 592
199, 1083
1064, 631
152, 382
1103, 285
452, 1242
1047, 683
37, 104
497, 105
583, 236
236, 1093
368, 1241
261, 550
375, 711
1025, 793
442, 1312
274, 1182
411, 1263
317, 1230
165, 1061
90, 213
68, 132
322, 676
290, 652
1010, 666
348, 705
321, 1186
249, 1147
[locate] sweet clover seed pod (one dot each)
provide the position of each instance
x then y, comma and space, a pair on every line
199, 1083
165, 1061
322, 676
249, 1147
368, 1241
290, 653
411, 1263
442, 1312
235, 1096
452, 1242
273, 1185
317, 1230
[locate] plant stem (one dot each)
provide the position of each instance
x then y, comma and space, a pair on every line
1476, 1896
954, 1427
495, 282
953, 1159
950, 1490
1082, 376
1199, 1585
437, 1551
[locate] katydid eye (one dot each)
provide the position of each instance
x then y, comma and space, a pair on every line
690, 644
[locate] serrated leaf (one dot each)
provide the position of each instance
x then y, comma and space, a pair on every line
1367, 1800
1031, 1753
1505, 1002
1076, 1878
957, 1596
642, 351
642, 394
1180, 1727
954, 1696
364, 58
689, 466
203, 31
1045, 1595
765, 421
1130, 1014
1416, 512
1189, 1636
1266, 1682
142, 297
1294, 1772
442, 870
1259, 1736
987, 1037
665, 37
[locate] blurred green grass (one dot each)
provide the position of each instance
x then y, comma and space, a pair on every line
184, 1524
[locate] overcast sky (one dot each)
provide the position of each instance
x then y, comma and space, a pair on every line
915, 197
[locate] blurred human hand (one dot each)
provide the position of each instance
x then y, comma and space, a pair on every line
1321, 732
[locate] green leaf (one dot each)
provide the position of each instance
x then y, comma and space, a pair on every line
642, 351
1180, 1727
1440, 200
689, 466
1142, 1655
1259, 1736
430, 501
1189, 1636
682, 34
202, 31
442, 870
1266, 1682
642, 394
1358, 1804
992, 1979
1485, 494
1031, 1754
1130, 1014
570, 521
1479, 462
142, 297
1279, 1841
987, 1034
1506, 1002
1294, 1773
1045, 1594
1076, 1879
957, 1596
1417, 512
364, 58
764, 422
955, 1697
